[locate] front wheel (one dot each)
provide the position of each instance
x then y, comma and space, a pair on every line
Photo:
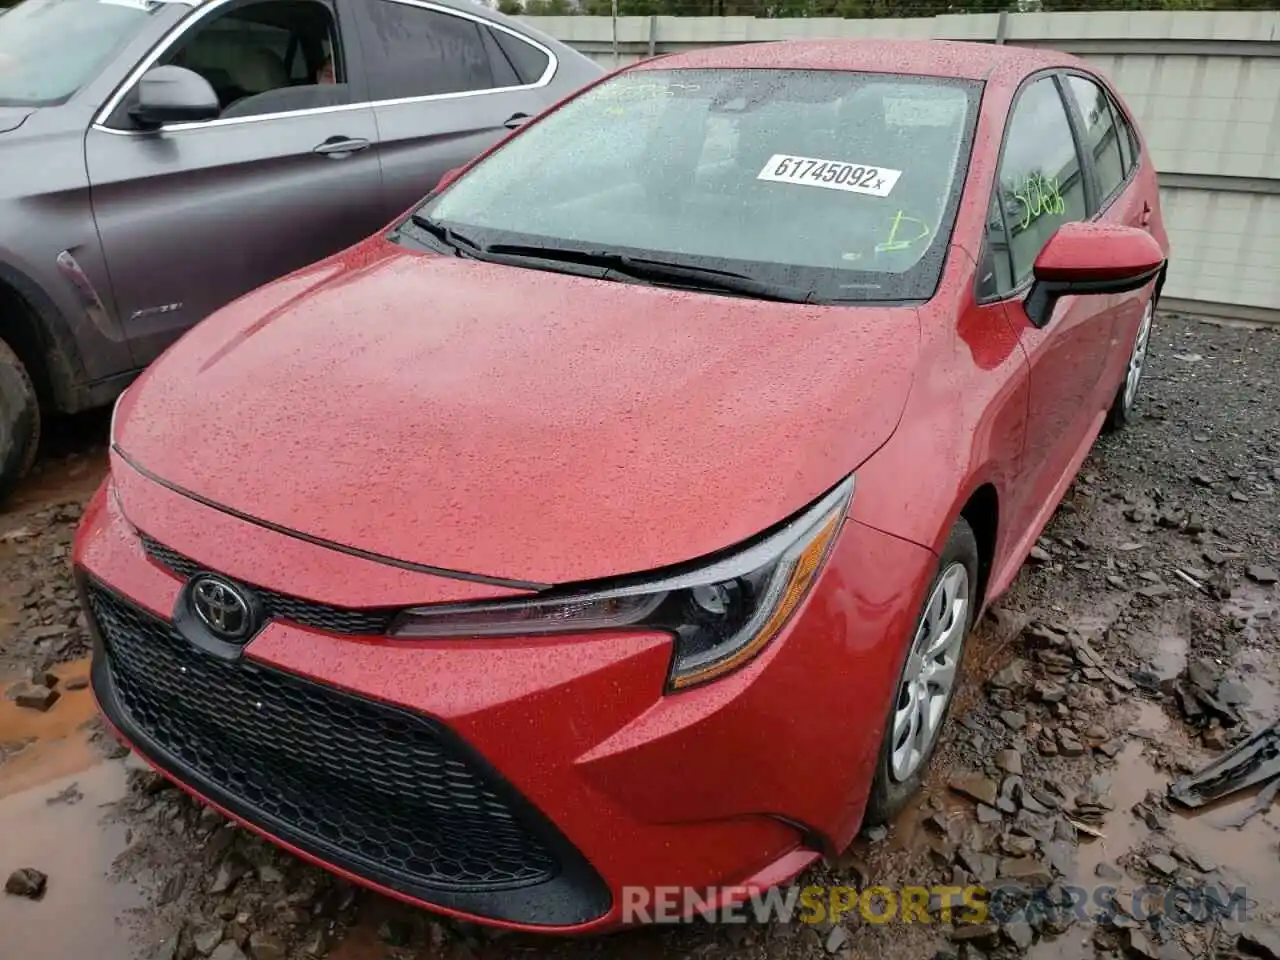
929, 677
1121, 411
19, 421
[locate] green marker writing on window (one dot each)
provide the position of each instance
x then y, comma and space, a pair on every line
1039, 195
899, 243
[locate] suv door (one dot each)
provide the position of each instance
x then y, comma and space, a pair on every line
193, 215
1041, 184
446, 85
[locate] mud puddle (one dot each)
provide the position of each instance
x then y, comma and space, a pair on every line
55, 794
1231, 857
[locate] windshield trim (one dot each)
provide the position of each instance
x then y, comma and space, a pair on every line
925, 275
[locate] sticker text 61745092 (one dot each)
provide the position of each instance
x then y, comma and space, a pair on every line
832, 174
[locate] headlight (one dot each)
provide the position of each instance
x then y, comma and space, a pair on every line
720, 615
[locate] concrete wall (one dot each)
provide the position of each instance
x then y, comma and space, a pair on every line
1205, 88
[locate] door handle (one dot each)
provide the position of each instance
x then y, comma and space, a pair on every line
341, 146
1145, 219
516, 120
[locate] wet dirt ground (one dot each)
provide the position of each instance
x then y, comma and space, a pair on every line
1152, 581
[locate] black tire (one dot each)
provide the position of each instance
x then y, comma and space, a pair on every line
19, 421
1123, 405
888, 795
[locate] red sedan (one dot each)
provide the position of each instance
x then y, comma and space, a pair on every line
617, 518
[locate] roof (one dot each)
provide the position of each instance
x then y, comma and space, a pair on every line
935, 58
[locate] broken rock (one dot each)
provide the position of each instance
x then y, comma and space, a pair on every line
1163, 864
1009, 761
976, 788
26, 882
1136, 944
206, 939
1025, 870
33, 696
267, 946
1259, 940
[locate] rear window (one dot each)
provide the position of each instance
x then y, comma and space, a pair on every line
49, 49
843, 183
528, 61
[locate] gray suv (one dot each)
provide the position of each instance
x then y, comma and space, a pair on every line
159, 159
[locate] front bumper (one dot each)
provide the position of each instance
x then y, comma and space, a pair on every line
520, 782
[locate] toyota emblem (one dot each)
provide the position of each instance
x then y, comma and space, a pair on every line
222, 607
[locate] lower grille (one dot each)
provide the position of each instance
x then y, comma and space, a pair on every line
369, 787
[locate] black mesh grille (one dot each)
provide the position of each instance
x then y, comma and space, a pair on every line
280, 606
367, 785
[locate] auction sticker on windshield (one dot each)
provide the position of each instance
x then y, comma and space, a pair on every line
832, 174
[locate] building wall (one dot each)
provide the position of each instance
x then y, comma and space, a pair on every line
1205, 88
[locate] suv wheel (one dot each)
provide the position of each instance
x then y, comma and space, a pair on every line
19, 420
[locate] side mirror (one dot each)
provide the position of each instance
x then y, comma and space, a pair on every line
174, 95
1091, 258
447, 178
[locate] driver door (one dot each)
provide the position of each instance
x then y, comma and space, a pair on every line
193, 215
1042, 184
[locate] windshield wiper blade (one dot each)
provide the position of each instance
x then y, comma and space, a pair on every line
458, 242
643, 268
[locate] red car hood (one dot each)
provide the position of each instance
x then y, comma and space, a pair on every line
517, 423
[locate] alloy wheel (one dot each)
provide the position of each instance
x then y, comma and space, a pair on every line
929, 678
1138, 358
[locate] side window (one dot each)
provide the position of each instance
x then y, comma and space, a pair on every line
529, 62
269, 57
1128, 139
1039, 182
1102, 136
418, 52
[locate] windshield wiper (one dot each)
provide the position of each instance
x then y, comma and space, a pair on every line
643, 268
457, 242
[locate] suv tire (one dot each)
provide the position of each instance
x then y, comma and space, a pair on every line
19, 421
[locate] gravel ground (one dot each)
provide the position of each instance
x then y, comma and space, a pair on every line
1137, 644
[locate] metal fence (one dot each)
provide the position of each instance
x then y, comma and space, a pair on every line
1205, 88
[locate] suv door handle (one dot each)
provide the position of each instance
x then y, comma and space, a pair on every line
1145, 219
339, 147
516, 120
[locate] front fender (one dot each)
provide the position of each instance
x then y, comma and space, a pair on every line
963, 427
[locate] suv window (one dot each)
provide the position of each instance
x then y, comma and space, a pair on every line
1101, 135
529, 62
267, 57
1039, 182
418, 52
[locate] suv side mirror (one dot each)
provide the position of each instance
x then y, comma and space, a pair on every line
174, 95
1091, 258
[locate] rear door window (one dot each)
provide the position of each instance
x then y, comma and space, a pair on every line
528, 61
416, 51
1102, 136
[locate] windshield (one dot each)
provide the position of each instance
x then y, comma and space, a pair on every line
842, 184
50, 48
